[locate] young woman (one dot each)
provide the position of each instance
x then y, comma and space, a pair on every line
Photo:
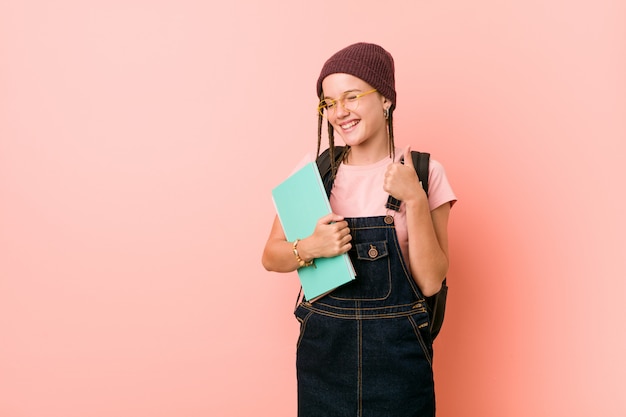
365, 349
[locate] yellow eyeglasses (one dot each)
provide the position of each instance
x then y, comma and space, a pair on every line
348, 100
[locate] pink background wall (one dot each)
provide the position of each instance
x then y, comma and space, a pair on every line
139, 141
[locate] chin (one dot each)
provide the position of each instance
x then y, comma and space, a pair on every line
350, 140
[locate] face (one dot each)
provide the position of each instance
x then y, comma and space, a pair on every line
365, 126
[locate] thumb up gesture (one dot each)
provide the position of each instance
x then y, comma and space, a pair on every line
401, 180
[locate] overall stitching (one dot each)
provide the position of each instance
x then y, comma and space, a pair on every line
369, 355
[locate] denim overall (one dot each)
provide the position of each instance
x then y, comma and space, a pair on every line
365, 349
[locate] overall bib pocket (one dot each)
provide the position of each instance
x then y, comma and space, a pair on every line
373, 273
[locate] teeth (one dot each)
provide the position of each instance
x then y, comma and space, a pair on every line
349, 125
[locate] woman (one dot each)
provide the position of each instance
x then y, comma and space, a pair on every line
365, 349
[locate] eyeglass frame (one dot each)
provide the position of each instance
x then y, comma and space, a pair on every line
323, 104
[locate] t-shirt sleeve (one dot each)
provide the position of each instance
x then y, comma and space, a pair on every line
439, 188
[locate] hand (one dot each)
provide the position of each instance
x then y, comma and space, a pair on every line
401, 181
331, 237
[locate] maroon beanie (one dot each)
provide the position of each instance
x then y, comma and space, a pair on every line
366, 61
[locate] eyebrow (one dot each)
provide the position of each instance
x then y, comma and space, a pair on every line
354, 90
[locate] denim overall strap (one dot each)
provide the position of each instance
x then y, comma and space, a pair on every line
365, 349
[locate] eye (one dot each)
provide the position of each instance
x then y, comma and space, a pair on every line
329, 104
351, 98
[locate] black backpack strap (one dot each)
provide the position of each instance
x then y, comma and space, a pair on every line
421, 161
324, 166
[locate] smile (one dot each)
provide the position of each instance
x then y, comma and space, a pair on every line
350, 124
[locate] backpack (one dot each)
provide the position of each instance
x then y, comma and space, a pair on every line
435, 304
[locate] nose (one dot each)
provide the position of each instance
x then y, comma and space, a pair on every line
341, 110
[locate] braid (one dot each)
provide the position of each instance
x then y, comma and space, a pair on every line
392, 146
320, 120
331, 149
331, 141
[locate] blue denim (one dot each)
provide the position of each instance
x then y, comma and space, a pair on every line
365, 349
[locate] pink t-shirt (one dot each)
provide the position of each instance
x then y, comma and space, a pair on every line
358, 192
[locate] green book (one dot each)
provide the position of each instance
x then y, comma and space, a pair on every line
300, 202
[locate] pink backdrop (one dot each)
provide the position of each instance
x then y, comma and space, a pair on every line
139, 141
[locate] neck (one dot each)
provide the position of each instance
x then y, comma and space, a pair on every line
363, 155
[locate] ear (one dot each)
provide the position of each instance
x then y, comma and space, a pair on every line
386, 103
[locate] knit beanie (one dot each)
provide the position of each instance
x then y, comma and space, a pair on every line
366, 61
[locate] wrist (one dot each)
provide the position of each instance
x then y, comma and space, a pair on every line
302, 261
417, 203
